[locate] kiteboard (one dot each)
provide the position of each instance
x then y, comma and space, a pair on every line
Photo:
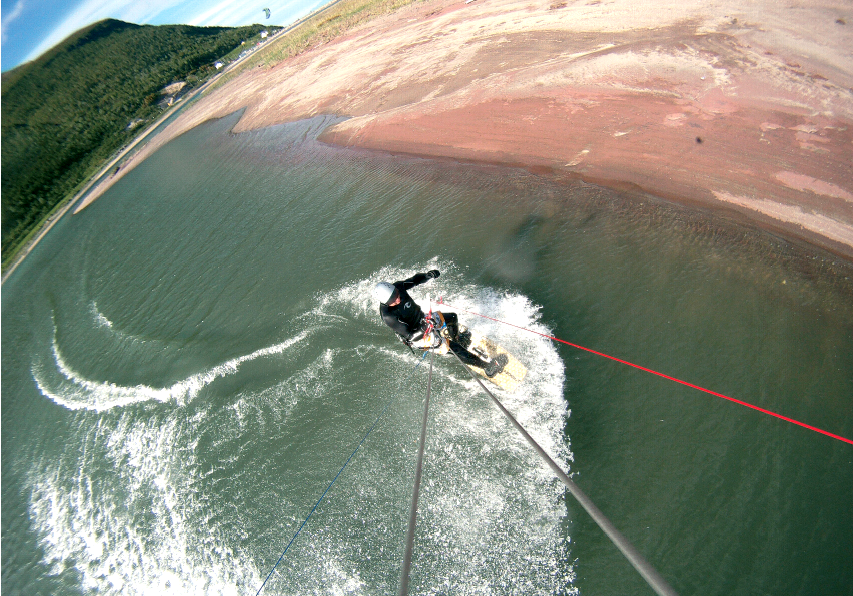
513, 372
508, 379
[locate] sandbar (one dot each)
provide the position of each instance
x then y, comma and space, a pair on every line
742, 107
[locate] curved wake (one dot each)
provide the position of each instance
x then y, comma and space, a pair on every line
191, 501
75, 392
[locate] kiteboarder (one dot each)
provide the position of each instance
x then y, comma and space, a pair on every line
402, 314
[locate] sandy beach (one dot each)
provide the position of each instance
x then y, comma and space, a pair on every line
746, 109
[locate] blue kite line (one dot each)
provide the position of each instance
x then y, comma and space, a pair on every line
333, 480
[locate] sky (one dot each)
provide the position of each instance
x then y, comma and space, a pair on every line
31, 27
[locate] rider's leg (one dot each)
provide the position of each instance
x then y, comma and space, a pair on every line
466, 356
456, 333
452, 321
491, 368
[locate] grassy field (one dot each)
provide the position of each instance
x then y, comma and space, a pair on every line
321, 27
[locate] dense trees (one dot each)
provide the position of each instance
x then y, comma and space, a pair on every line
66, 113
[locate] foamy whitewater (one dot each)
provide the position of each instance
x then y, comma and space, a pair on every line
133, 509
188, 363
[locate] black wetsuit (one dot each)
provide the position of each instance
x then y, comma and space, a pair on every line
408, 320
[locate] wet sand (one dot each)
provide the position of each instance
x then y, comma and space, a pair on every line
748, 110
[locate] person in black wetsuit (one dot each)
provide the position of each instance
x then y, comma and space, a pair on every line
402, 314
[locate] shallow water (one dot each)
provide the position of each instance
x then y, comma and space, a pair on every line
189, 362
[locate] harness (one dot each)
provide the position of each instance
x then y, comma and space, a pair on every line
435, 337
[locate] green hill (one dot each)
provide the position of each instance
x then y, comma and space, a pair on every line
66, 113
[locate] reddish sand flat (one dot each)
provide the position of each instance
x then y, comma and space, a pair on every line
749, 109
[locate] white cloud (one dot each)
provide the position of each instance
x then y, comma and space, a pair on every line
8, 19
226, 13
232, 14
91, 11
212, 15
145, 12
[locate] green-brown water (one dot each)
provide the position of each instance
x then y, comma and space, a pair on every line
189, 362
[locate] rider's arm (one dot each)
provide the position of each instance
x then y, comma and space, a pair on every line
417, 279
399, 327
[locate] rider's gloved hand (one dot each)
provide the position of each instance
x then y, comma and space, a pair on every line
433, 274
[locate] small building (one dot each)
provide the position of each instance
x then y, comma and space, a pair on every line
218, 65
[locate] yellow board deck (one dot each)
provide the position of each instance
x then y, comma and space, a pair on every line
513, 373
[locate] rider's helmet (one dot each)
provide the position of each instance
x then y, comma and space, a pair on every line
384, 292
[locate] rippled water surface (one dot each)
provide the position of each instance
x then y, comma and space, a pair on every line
188, 363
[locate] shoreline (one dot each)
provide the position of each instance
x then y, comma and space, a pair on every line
745, 110
732, 227
788, 224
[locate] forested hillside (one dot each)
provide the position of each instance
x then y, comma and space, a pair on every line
66, 113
